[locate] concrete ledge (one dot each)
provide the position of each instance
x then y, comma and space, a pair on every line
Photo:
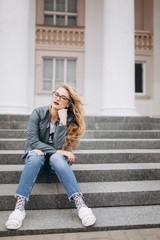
22, 133
92, 144
94, 156
62, 221
96, 194
90, 173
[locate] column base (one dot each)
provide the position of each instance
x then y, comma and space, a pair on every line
15, 110
118, 111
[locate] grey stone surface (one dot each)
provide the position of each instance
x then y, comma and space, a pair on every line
91, 173
93, 187
105, 168
122, 134
12, 144
142, 120
96, 194
59, 221
107, 119
11, 157
117, 126
125, 119
92, 144
13, 125
119, 144
14, 121
94, 156
13, 117
22, 133
13, 133
114, 119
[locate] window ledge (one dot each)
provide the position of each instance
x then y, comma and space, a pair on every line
46, 93
142, 97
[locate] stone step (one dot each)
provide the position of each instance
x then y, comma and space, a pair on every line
122, 134
94, 156
122, 126
16, 118
124, 119
13, 125
96, 194
100, 144
21, 133
92, 144
67, 221
93, 119
18, 133
92, 126
91, 173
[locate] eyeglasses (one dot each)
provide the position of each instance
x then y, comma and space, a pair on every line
62, 97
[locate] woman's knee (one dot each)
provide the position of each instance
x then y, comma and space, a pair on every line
57, 160
34, 159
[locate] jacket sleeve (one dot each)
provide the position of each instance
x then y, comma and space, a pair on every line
33, 135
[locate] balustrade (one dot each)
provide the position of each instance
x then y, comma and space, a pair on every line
67, 36
60, 36
143, 40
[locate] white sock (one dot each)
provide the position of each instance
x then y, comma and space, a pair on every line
20, 204
79, 201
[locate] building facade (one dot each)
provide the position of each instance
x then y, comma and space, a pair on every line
108, 50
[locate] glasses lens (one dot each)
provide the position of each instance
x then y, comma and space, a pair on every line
63, 98
54, 94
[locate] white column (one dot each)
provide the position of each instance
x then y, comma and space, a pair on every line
156, 44
118, 58
16, 45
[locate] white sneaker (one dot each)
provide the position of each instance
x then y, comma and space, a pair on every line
87, 217
15, 219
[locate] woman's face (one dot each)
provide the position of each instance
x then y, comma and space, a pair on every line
60, 99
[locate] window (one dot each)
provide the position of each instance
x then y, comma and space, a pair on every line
60, 12
57, 71
140, 78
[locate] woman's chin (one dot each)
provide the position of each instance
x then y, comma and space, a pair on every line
56, 107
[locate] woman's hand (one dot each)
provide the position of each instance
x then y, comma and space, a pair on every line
62, 113
69, 155
39, 152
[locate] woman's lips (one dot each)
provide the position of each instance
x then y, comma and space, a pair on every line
56, 103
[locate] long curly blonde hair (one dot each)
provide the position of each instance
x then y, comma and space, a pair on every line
76, 128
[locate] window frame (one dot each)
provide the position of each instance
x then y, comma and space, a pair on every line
66, 14
40, 54
53, 79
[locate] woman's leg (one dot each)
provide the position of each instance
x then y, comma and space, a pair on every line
29, 174
66, 176
59, 164
27, 180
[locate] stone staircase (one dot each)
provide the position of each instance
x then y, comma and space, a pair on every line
117, 167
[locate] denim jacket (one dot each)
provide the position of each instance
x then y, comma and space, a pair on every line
38, 132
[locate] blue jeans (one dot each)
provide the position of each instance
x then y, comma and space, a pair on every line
58, 164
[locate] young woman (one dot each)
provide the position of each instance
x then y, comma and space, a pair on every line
53, 132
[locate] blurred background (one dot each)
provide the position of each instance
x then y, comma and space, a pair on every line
109, 51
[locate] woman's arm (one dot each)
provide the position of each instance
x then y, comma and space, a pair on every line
61, 129
59, 136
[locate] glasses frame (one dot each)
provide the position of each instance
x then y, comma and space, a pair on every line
60, 97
